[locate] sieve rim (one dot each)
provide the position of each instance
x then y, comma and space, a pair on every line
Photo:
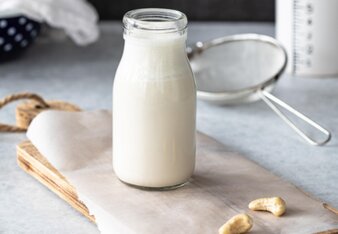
226, 95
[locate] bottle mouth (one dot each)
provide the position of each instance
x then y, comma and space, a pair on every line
157, 20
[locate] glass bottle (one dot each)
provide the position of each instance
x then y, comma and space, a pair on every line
154, 102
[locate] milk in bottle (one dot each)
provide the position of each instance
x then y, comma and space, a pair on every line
154, 102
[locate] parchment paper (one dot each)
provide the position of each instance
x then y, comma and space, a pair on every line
79, 145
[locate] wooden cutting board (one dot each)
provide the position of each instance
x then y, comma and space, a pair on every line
224, 183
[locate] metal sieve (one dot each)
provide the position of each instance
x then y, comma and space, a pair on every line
244, 68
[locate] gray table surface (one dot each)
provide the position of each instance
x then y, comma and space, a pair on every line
57, 69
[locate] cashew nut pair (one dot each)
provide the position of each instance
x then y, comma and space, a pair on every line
242, 223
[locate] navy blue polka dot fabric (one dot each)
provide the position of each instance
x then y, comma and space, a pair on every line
16, 34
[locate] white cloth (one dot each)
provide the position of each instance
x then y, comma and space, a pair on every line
77, 17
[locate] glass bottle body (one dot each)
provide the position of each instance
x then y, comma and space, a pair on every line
154, 106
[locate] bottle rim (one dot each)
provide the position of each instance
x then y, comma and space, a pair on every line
159, 20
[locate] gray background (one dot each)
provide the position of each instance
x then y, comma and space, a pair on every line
230, 10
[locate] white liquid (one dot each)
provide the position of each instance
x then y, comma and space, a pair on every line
154, 108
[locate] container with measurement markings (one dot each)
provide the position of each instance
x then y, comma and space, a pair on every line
308, 30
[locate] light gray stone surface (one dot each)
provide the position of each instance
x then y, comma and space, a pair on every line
57, 69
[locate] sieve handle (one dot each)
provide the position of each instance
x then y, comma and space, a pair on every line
269, 99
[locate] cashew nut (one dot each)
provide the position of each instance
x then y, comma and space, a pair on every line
238, 224
275, 205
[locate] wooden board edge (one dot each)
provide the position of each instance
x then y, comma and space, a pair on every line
44, 169
51, 184
331, 208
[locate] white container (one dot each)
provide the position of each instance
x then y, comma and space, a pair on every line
308, 30
154, 102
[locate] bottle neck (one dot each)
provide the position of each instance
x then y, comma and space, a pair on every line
154, 31
145, 45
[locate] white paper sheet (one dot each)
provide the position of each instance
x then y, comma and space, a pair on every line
79, 145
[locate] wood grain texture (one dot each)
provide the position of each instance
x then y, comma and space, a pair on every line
223, 185
333, 231
32, 162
